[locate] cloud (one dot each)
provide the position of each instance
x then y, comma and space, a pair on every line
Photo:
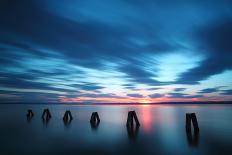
130, 86
209, 90
28, 97
135, 95
179, 89
22, 81
227, 92
156, 95
155, 88
101, 95
214, 39
88, 86
183, 95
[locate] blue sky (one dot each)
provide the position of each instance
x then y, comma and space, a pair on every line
115, 51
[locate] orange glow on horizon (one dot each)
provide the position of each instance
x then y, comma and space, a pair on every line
145, 100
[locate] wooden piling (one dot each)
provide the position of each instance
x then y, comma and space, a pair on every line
188, 122
30, 113
94, 118
195, 123
191, 117
67, 116
46, 114
131, 117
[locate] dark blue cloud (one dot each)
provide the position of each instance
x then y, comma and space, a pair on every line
156, 95
179, 89
88, 86
96, 95
183, 95
214, 39
155, 88
135, 95
28, 97
17, 83
227, 92
209, 90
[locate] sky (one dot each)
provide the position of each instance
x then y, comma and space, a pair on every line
115, 51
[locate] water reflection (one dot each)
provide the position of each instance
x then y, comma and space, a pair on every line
193, 138
161, 132
67, 123
94, 125
29, 115
45, 122
132, 131
29, 119
146, 118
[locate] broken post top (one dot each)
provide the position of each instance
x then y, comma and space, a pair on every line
131, 117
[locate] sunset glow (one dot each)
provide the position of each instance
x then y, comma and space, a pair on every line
114, 52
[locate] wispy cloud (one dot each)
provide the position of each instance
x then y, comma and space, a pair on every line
96, 52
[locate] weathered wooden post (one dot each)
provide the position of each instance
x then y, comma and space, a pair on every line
131, 117
67, 116
192, 137
191, 117
195, 123
46, 115
94, 120
188, 122
30, 113
132, 130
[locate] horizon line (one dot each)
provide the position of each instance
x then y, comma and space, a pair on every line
133, 103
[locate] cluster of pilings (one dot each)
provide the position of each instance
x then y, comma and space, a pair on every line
132, 123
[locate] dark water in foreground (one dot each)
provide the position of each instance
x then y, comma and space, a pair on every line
162, 130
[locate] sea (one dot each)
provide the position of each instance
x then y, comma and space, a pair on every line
162, 130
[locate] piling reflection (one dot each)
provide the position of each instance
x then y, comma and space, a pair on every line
132, 132
29, 119
45, 122
67, 123
29, 115
94, 125
193, 138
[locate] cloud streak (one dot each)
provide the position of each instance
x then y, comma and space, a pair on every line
94, 52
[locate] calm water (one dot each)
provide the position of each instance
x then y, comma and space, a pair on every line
162, 130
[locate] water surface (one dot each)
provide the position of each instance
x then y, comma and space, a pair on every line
162, 130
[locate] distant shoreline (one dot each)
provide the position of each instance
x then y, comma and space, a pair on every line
158, 103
